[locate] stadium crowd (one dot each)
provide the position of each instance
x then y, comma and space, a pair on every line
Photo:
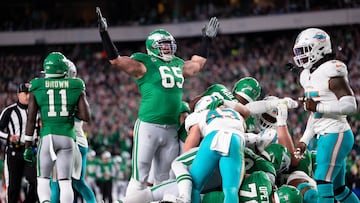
24, 15
114, 96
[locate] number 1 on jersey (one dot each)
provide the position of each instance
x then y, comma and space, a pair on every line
52, 112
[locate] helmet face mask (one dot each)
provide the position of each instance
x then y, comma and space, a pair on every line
161, 43
311, 45
248, 88
268, 119
55, 65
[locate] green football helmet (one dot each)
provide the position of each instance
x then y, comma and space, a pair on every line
161, 43
248, 88
288, 194
55, 65
279, 156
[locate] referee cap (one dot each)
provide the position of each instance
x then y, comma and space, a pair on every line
23, 87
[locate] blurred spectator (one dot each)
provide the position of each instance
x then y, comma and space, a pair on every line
105, 173
50, 14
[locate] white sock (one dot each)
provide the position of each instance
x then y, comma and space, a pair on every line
43, 189
66, 191
140, 196
134, 186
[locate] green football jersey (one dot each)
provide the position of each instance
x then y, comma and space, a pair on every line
256, 188
305, 164
254, 162
251, 124
161, 89
57, 99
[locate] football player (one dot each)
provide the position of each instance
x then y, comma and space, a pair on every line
78, 182
159, 75
329, 99
257, 187
59, 100
222, 145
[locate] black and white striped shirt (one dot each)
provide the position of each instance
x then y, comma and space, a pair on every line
13, 122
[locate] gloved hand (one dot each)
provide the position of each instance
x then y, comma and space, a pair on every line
102, 24
282, 114
300, 150
291, 104
211, 29
29, 155
213, 105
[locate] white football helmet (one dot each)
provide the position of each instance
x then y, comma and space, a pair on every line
268, 119
72, 72
310, 46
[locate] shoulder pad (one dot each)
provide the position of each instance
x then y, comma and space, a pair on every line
35, 84
77, 83
139, 56
334, 68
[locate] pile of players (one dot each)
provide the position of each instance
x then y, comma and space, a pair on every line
269, 172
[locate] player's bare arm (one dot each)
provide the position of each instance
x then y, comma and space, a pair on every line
340, 87
125, 63
193, 66
83, 112
31, 119
130, 66
193, 138
345, 105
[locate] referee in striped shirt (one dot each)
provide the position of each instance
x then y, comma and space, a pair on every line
12, 129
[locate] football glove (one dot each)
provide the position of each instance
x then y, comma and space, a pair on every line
300, 150
211, 29
291, 104
101, 21
29, 155
282, 114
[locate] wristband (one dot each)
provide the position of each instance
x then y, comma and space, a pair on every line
204, 47
109, 46
28, 138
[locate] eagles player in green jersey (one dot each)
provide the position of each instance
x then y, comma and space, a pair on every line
247, 90
257, 187
58, 99
159, 75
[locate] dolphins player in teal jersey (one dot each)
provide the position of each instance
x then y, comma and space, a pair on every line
159, 75
221, 128
329, 98
59, 100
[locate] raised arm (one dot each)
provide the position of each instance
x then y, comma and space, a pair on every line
197, 61
125, 63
